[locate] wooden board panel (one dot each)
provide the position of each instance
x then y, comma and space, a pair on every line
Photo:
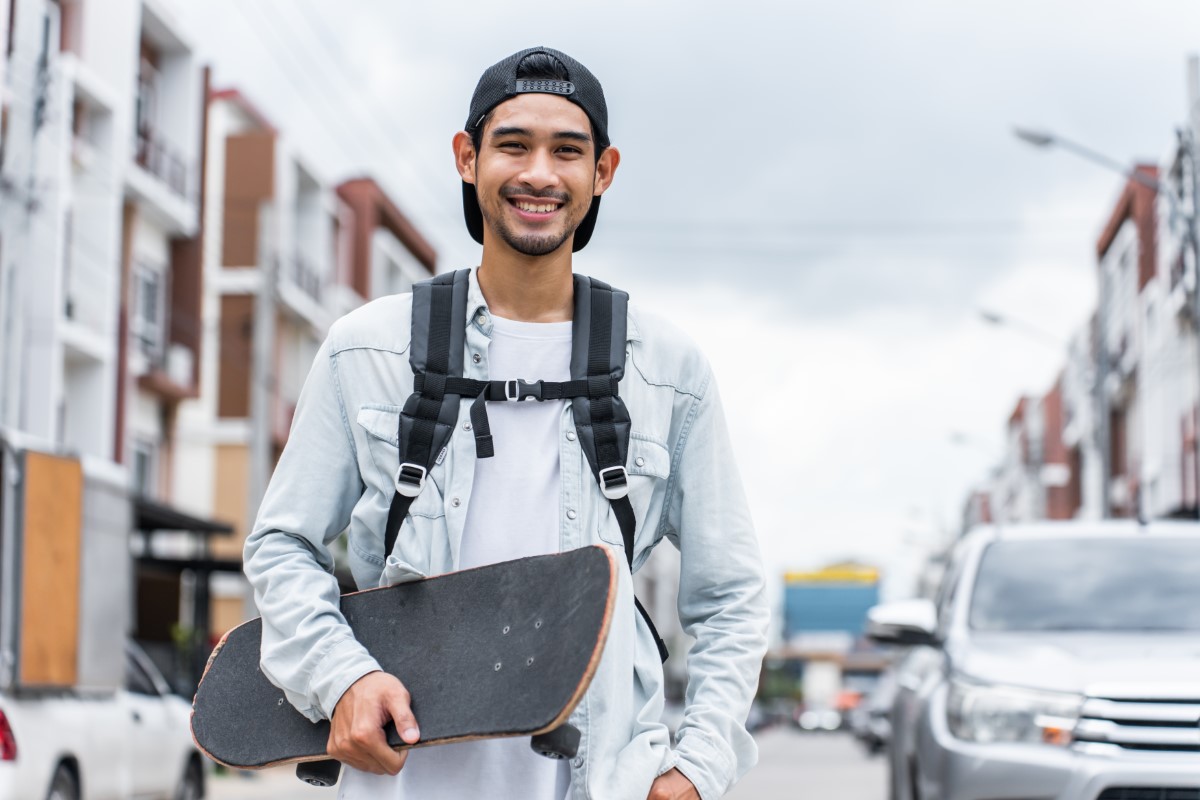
232, 476
51, 538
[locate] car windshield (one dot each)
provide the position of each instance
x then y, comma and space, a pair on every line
1088, 584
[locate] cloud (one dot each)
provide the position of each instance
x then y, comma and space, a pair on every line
823, 194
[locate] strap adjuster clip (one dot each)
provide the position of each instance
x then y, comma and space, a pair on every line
410, 479
614, 482
517, 390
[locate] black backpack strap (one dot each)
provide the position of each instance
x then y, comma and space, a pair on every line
439, 312
601, 418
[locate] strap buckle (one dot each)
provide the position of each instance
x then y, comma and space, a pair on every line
518, 390
614, 482
410, 479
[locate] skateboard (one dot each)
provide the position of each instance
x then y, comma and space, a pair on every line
502, 650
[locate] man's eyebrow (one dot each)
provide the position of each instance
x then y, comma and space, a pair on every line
578, 136
509, 131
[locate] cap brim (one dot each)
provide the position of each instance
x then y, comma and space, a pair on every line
474, 219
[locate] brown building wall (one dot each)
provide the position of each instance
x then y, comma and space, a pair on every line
249, 180
236, 344
1061, 501
373, 209
1137, 203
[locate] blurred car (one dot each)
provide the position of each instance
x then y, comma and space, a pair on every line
76, 744
1060, 661
817, 719
870, 721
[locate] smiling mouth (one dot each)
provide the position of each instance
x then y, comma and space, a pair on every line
535, 208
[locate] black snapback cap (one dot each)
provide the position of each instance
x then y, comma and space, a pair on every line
499, 82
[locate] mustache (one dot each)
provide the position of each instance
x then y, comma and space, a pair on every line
546, 194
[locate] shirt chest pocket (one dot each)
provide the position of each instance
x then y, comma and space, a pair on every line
381, 425
649, 466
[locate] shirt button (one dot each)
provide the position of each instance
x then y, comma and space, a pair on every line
578, 762
571, 513
466, 426
641, 462
570, 436
476, 357
456, 502
481, 319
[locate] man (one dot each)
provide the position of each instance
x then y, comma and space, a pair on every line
534, 159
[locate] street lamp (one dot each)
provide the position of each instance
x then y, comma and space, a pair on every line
1046, 140
1030, 331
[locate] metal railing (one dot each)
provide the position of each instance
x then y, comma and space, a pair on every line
306, 276
158, 157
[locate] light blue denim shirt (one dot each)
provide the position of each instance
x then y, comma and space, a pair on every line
336, 473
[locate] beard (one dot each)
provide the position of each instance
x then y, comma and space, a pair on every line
532, 244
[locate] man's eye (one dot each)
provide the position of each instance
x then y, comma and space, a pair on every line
574, 151
511, 146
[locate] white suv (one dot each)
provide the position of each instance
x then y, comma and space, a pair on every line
1060, 661
132, 743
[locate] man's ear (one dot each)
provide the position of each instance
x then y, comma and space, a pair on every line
464, 156
606, 167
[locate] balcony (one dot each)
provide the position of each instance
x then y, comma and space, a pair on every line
301, 288
161, 182
163, 161
165, 371
306, 276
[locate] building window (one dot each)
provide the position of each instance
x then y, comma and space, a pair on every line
145, 458
148, 311
146, 111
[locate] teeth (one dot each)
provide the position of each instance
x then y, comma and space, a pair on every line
536, 209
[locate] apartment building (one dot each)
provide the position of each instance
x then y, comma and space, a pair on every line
286, 252
1116, 436
101, 164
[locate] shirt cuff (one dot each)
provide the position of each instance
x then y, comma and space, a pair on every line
705, 764
344, 663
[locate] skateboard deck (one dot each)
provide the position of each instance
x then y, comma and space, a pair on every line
502, 650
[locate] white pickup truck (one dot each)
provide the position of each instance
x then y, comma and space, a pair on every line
130, 744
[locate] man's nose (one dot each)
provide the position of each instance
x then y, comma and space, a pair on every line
539, 172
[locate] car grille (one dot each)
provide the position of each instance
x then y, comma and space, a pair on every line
1140, 724
1139, 793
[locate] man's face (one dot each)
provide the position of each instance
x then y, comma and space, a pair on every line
535, 172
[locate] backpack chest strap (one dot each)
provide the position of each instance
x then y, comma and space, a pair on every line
601, 419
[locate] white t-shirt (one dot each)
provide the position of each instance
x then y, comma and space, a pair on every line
514, 512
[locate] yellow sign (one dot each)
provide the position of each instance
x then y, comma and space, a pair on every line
845, 573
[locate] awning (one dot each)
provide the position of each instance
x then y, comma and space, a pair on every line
202, 565
150, 516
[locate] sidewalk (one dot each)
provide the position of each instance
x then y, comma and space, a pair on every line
279, 783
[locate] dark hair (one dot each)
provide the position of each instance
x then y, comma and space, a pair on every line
535, 66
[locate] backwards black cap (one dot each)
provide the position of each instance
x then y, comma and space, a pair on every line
500, 82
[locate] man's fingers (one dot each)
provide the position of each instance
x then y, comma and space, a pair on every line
357, 735
406, 723
372, 744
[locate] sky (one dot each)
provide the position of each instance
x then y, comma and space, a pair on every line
823, 195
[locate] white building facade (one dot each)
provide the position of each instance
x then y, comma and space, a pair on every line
102, 146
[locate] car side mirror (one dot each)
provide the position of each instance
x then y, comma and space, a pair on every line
907, 622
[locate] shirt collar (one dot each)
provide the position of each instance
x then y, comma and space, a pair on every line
479, 315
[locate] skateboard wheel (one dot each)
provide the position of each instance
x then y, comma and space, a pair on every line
562, 742
319, 773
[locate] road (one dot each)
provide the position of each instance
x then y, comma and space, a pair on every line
798, 765
792, 765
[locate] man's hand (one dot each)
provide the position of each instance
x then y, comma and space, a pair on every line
356, 734
673, 785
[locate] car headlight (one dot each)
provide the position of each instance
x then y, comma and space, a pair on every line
978, 712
